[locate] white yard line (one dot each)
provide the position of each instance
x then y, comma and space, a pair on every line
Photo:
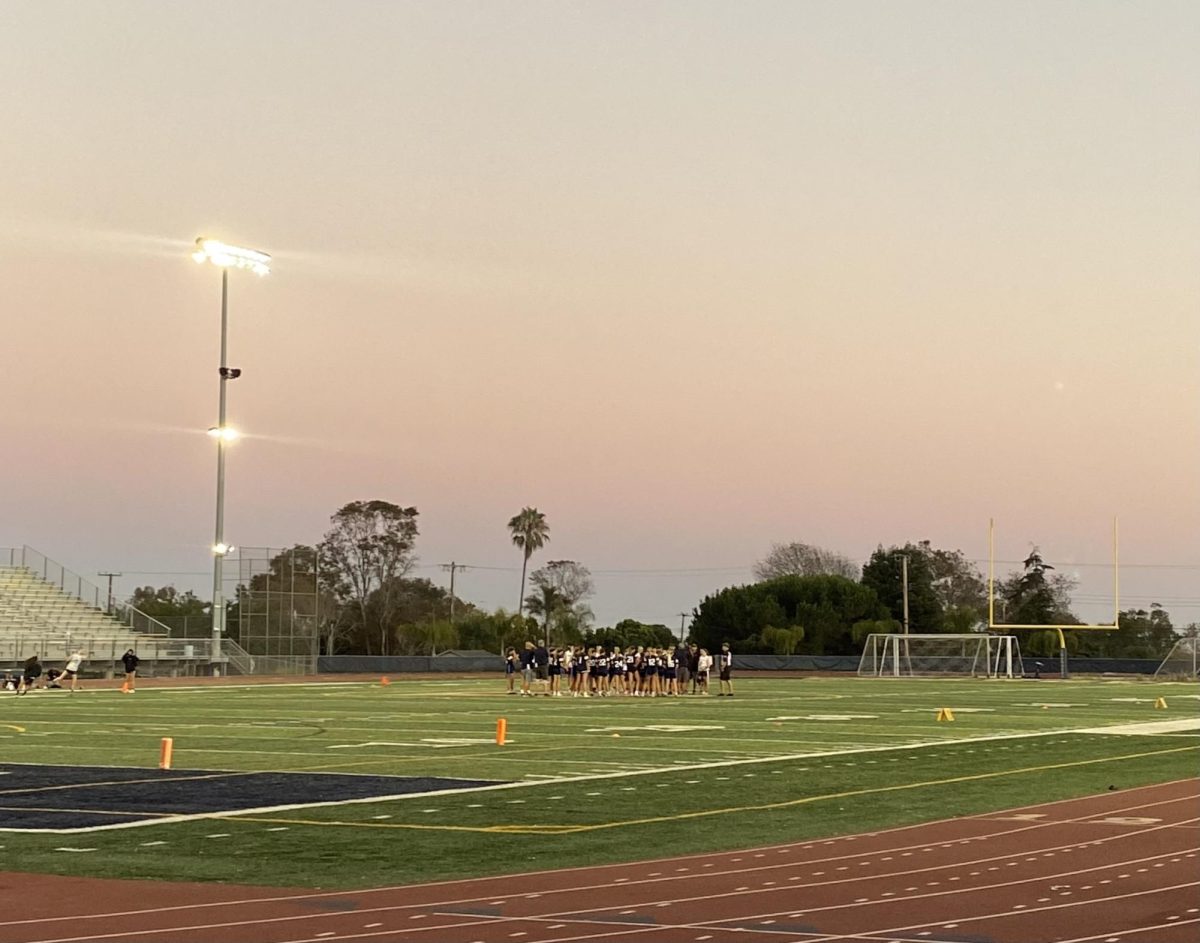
588, 777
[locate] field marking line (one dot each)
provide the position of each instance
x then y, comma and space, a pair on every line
1149, 728
125, 782
540, 829
572, 889
26, 808
537, 829
523, 784
417, 826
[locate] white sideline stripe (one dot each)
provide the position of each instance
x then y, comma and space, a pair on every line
524, 784
602, 884
1161, 726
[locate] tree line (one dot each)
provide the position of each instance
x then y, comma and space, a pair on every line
354, 592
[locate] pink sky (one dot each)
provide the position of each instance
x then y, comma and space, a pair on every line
691, 278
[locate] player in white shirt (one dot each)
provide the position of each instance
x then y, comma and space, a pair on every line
71, 669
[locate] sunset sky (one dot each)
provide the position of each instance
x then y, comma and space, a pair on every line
691, 278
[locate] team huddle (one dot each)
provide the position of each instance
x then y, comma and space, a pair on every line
601, 672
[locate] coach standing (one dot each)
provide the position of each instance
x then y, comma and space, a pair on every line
681, 668
526, 668
130, 660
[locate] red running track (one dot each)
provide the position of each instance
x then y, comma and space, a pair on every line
1120, 867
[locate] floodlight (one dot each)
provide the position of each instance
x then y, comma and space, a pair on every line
221, 550
226, 256
224, 433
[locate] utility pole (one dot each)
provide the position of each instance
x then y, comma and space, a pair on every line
110, 595
452, 567
904, 580
682, 617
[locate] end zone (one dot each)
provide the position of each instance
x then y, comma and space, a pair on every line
64, 799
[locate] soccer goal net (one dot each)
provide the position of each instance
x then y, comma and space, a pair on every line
908, 656
1182, 661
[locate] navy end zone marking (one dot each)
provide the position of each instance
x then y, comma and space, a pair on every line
62, 798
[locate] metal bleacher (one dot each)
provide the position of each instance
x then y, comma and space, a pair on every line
49, 611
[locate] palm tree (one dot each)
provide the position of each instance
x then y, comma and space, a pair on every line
530, 533
544, 604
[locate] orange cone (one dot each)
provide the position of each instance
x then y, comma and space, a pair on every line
501, 731
164, 753
384, 682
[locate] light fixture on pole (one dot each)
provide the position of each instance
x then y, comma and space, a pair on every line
225, 257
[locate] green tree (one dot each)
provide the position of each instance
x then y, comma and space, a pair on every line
167, 601
366, 550
959, 586
783, 641
493, 631
630, 633
560, 589
884, 574
542, 604
827, 608
185, 614
1144, 633
530, 533
287, 608
428, 638
800, 559
1036, 596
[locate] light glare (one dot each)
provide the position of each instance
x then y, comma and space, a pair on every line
221, 550
226, 256
226, 434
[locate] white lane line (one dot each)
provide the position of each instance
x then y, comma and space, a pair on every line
616, 881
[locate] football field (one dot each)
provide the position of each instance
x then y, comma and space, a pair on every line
353, 784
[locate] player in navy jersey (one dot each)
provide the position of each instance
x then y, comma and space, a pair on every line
510, 670
554, 668
670, 673
650, 672
585, 673
600, 675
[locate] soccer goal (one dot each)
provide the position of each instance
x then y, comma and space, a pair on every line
971, 656
1182, 661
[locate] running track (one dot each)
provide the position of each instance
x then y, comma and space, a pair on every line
1119, 867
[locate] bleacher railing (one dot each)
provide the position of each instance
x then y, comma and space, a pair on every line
56, 574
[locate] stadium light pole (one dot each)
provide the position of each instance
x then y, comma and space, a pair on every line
225, 257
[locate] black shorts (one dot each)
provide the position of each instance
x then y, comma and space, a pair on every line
68, 673
539, 672
724, 674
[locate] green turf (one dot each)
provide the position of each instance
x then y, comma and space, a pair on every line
786, 759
